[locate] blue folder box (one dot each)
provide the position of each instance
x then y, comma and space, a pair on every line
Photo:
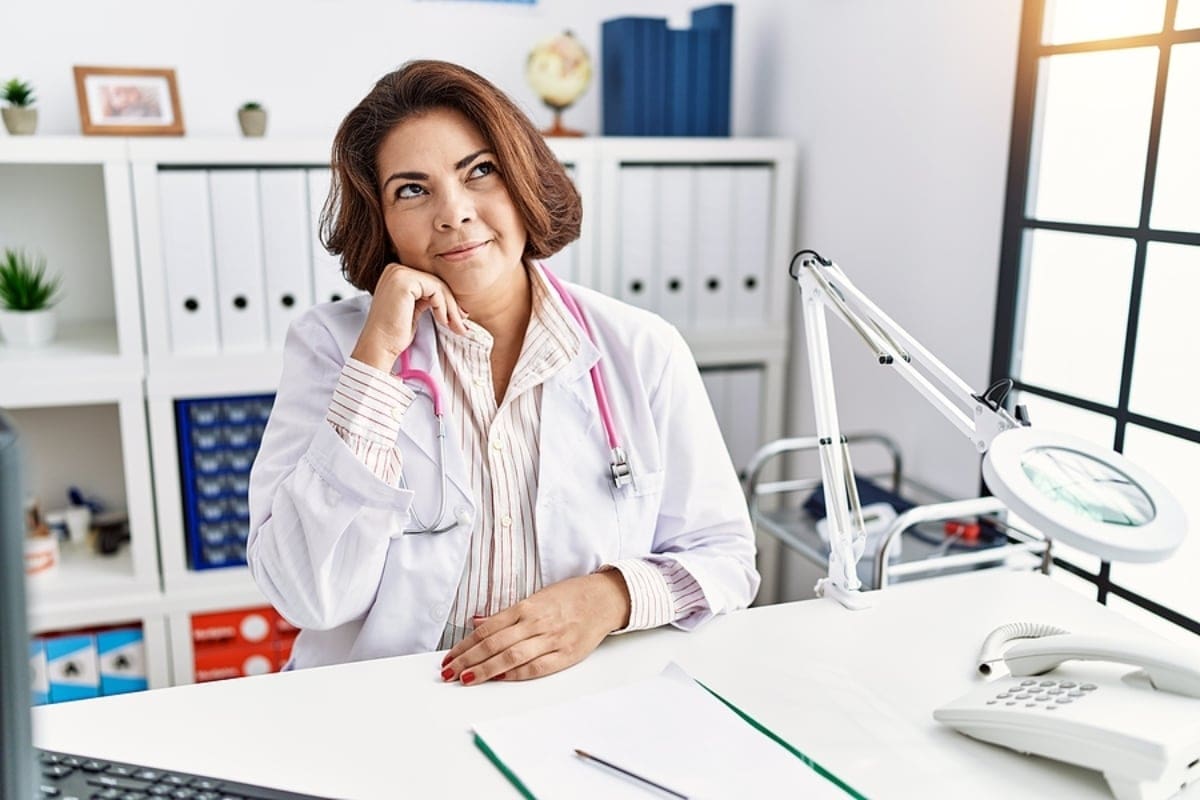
39, 682
122, 657
71, 667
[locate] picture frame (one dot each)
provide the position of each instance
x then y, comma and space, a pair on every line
128, 101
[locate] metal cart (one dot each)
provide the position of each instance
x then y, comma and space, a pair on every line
776, 509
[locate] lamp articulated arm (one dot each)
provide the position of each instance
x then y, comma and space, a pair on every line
980, 417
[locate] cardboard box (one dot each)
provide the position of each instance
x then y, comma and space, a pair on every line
122, 656
39, 679
247, 626
219, 663
72, 667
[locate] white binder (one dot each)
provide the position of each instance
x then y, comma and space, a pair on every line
711, 274
327, 281
237, 246
286, 249
565, 263
188, 261
635, 271
752, 204
716, 384
743, 433
675, 257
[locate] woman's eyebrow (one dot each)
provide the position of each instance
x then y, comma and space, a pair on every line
462, 163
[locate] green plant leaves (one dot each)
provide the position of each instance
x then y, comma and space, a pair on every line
24, 285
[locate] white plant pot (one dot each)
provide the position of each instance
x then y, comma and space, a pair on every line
28, 328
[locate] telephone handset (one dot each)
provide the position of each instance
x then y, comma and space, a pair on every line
1141, 729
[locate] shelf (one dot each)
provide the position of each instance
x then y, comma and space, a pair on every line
231, 151
212, 590
89, 589
83, 365
215, 375
60, 150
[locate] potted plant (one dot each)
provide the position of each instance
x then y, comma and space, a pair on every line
20, 117
27, 297
253, 119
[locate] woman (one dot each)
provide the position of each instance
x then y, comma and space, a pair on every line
517, 540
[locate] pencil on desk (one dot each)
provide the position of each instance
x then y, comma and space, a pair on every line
588, 756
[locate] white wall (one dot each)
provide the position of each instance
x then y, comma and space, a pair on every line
902, 112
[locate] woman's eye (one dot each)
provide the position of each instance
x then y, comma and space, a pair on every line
409, 190
482, 169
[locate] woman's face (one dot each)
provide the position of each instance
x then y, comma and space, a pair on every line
446, 206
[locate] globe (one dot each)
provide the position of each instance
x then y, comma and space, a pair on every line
559, 70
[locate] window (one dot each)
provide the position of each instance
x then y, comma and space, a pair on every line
1100, 264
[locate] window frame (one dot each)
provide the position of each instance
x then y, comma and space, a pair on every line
1017, 223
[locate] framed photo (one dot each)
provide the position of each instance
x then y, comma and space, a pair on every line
128, 101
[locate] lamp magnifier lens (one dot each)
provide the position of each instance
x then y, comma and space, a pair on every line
1087, 486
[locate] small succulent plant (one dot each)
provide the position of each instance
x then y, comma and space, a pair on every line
251, 105
17, 92
24, 285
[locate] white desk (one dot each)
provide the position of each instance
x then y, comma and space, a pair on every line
390, 727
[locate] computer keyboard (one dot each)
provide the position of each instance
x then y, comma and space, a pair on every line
69, 777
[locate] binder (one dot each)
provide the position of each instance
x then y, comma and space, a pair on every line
719, 20
238, 251
743, 396
712, 304
701, 121
675, 255
716, 384
286, 248
752, 204
635, 281
680, 68
654, 93
188, 261
327, 280
622, 66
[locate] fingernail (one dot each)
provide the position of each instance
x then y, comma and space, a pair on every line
500, 677
447, 674
468, 677
446, 660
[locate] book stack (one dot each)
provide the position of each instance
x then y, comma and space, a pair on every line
659, 81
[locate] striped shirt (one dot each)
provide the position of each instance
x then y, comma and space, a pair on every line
500, 444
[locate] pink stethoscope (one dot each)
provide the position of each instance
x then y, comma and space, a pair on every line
619, 471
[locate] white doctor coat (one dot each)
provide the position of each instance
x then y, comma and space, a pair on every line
326, 545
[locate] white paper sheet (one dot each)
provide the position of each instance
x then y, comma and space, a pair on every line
668, 729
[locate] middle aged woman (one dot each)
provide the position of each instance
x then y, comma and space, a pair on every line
517, 540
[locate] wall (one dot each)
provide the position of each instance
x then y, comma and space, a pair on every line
903, 113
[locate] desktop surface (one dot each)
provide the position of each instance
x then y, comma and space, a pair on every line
854, 690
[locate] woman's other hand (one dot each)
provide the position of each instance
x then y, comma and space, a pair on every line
401, 296
548, 631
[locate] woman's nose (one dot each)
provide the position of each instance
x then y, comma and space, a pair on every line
457, 209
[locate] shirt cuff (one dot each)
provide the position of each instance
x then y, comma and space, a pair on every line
655, 591
369, 403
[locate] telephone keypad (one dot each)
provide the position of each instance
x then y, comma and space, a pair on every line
1047, 694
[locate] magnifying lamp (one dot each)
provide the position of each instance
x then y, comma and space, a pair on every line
1089, 497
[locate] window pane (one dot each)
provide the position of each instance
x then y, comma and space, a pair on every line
1076, 304
1087, 20
1176, 204
1157, 625
1090, 136
1188, 15
1166, 380
1056, 416
1175, 463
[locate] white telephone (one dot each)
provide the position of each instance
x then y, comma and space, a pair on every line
1141, 729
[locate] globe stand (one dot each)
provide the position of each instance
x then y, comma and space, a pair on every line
558, 129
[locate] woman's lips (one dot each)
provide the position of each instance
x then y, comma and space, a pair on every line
462, 253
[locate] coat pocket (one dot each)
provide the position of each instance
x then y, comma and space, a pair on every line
637, 513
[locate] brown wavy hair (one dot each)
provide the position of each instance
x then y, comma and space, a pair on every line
352, 223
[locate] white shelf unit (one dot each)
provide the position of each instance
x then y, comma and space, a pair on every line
69, 199
105, 360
